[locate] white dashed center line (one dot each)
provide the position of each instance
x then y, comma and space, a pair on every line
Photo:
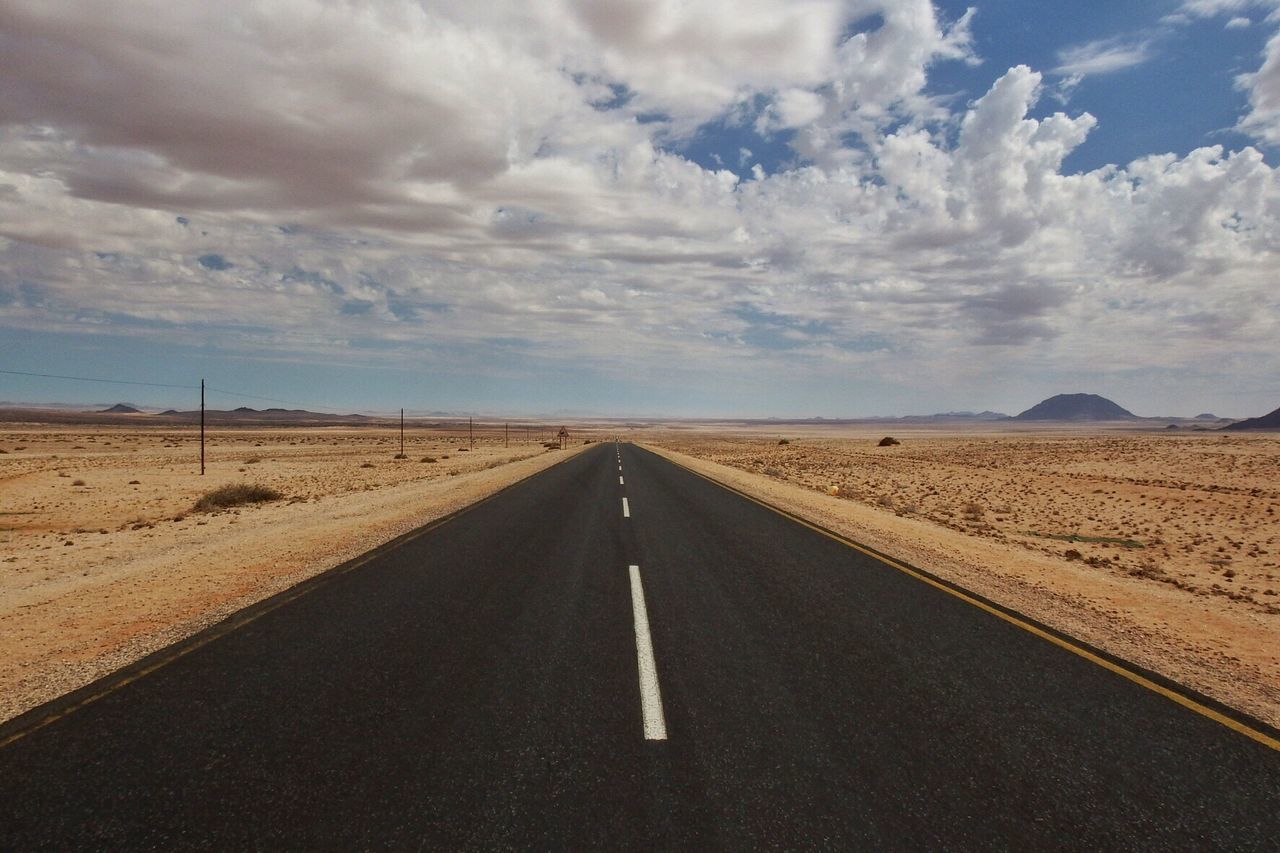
626, 509
620, 483
655, 723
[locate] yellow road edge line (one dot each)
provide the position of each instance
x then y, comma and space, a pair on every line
1136, 677
234, 623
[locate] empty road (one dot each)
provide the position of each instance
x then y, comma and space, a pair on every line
617, 653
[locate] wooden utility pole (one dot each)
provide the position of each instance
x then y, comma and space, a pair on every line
471, 435
402, 432
506, 435
201, 427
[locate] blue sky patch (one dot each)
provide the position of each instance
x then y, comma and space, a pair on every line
214, 262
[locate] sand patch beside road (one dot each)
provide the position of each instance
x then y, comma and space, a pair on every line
103, 561
1195, 602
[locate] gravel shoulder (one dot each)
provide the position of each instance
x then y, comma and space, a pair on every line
79, 603
1222, 647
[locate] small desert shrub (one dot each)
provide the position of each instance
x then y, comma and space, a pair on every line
885, 501
784, 441
1072, 554
401, 456
253, 460
427, 459
367, 465
78, 483
135, 482
235, 494
972, 509
888, 441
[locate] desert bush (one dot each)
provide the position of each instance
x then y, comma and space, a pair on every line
235, 494
78, 483
367, 465
253, 460
427, 459
784, 441
888, 441
1072, 554
885, 501
401, 456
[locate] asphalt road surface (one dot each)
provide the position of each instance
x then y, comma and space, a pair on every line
616, 654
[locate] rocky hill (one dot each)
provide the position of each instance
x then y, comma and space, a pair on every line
1076, 407
1267, 421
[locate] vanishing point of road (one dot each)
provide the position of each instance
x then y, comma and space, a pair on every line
615, 654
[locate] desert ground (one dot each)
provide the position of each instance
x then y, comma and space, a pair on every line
103, 558
1158, 547
1161, 548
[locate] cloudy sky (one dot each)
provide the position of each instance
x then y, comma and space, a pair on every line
668, 207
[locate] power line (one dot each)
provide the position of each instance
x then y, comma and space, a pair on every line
223, 391
238, 394
95, 379
254, 397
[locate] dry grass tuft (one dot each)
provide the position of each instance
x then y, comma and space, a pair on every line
235, 494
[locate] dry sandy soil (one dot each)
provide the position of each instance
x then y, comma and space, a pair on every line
103, 560
1161, 548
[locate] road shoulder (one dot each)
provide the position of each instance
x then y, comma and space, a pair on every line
1228, 656
60, 642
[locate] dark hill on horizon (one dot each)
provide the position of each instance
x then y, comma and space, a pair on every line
1076, 407
1271, 420
243, 416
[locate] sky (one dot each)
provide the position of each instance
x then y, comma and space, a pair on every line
729, 208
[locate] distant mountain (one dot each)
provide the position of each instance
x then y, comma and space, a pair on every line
247, 415
1076, 407
972, 416
1267, 421
944, 417
244, 416
1206, 416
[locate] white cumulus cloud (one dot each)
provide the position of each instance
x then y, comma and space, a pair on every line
402, 180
